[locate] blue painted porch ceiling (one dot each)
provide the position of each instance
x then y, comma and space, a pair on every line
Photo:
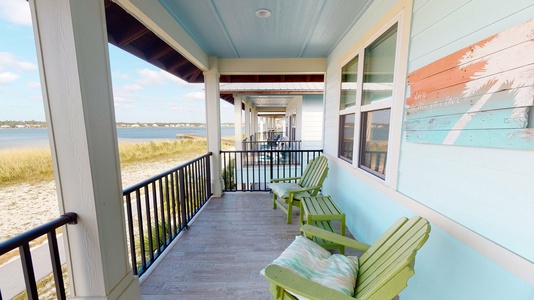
296, 28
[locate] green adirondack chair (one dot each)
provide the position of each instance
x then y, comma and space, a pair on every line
287, 192
384, 268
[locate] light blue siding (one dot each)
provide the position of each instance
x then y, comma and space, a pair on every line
446, 269
469, 23
488, 191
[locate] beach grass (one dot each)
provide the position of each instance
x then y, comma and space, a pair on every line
35, 164
25, 165
46, 287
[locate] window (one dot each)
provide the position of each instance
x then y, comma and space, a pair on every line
349, 85
370, 101
346, 141
349, 80
374, 141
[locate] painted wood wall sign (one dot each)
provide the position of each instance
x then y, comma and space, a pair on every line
480, 96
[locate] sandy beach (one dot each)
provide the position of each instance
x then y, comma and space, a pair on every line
25, 206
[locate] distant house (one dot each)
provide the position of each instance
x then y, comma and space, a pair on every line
20, 126
135, 125
5, 126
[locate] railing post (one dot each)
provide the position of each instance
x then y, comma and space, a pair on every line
208, 174
56, 265
271, 163
29, 275
131, 237
181, 188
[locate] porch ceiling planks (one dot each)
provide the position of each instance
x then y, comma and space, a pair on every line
478, 96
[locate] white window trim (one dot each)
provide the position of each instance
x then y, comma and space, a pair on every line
396, 103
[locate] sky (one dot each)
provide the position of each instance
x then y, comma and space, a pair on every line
141, 92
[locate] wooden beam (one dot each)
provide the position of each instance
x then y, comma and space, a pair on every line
190, 70
195, 75
271, 92
273, 66
177, 64
158, 51
133, 34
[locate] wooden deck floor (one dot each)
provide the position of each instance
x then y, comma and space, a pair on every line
221, 255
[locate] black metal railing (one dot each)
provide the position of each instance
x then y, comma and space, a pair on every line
271, 145
263, 136
253, 170
159, 208
22, 242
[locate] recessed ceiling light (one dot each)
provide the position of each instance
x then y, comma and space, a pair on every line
263, 13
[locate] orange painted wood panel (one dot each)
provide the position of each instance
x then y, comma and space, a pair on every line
519, 34
468, 95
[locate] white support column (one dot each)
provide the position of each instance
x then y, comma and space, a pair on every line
238, 121
254, 119
213, 124
247, 120
72, 49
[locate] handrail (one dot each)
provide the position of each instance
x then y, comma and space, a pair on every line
30, 235
159, 208
252, 170
271, 151
156, 177
23, 243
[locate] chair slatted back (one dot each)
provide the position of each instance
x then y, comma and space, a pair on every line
390, 259
315, 173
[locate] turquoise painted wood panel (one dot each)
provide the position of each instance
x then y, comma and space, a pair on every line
449, 105
482, 95
496, 138
493, 119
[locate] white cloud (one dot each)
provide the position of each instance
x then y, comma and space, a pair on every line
33, 84
157, 78
16, 11
132, 87
195, 96
123, 106
121, 99
8, 77
173, 78
178, 108
120, 75
8, 60
150, 77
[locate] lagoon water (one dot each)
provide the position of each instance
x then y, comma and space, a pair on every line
38, 137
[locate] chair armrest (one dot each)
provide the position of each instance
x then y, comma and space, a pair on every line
310, 230
310, 188
299, 285
284, 179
